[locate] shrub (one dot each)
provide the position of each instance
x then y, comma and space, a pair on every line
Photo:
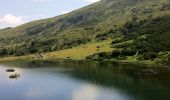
163, 57
105, 55
128, 52
150, 55
115, 53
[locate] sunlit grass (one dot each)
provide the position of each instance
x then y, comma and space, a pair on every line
82, 51
75, 53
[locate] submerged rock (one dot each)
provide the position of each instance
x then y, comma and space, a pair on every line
14, 76
10, 70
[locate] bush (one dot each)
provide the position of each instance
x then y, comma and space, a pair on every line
105, 55
163, 57
128, 52
150, 55
122, 58
115, 53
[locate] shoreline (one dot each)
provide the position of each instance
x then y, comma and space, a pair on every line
31, 58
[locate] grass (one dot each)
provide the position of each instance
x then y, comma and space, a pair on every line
143, 62
17, 58
81, 52
150, 20
76, 53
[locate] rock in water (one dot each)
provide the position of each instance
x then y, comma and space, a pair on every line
14, 76
10, 70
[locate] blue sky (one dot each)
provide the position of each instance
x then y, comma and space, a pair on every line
17, 12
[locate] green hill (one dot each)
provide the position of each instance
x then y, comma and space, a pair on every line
138, 29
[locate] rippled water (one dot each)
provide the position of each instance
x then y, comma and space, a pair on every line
82, 81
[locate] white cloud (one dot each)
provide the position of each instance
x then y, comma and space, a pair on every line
64, 12
92, 1
42, 0
11, 20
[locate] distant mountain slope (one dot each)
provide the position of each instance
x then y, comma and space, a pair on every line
120, 20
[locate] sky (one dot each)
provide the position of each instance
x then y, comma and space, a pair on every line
17, 12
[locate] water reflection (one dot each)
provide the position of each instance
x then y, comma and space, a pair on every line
83, 81
92, 92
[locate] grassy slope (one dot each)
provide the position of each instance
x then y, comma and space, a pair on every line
76, 53
81, 52
101, 16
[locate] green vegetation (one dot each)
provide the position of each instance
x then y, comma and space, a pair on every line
135, 30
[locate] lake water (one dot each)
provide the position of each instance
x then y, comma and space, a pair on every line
83, 81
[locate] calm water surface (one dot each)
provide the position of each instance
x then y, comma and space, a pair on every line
83, 81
